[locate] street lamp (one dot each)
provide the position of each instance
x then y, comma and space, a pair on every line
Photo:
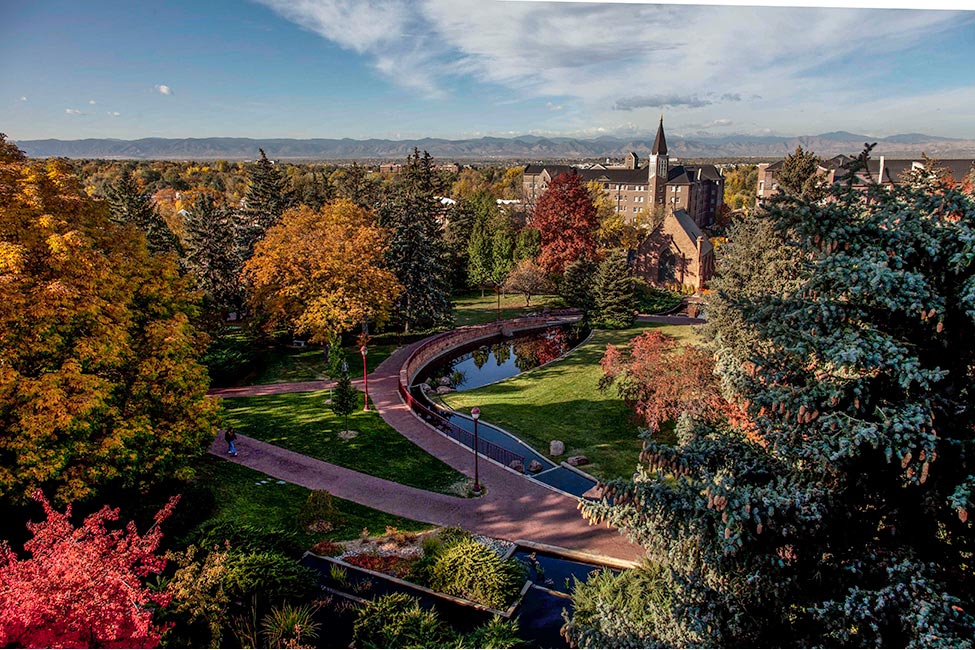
476, 413
365, 377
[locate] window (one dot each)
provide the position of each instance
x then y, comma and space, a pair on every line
636, 209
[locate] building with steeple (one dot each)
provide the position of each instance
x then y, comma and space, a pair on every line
661, 184
675, 202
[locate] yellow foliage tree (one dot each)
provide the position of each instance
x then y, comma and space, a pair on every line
99, 379
320, 273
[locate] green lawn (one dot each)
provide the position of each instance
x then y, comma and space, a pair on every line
308, 364
303, 423
562, 401
240, 498
471, 308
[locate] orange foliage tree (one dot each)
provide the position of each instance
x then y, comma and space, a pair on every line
567, 220
320, 273
99, 379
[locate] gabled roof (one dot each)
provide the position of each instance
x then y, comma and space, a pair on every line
692, 230
660, 142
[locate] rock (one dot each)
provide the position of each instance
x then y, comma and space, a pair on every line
517, 465
443, 390
556, 448
534, 467
575, 461
444, 381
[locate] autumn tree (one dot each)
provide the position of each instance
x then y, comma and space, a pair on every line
130, 205
845, 520
81, 587
614, 293
100, 381
321, 273
416, 253
740, 186
567, 220
528, 279
211, 253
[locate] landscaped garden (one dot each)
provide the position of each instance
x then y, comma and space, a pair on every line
473, 308
562, 401
302, 422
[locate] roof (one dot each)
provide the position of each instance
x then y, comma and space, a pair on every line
660, 142
692, 230
611, 175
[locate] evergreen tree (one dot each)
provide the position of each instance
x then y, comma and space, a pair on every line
211, 253
355, 184
798, 174
416, 251
614, 292
267, 198
345, 398
839, 515
129, 205
457, 237
577, 286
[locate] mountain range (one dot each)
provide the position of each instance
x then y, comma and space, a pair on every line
522, 148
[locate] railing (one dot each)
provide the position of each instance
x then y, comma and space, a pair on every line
485, 447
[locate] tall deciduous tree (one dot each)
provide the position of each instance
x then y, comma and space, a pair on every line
845, 521
528, 279
416, 252
100, 380
132, 206
81, 587
321, 273
567, 220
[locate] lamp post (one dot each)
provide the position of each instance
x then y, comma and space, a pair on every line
475, 414
365, 377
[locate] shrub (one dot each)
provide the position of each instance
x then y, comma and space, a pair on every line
496, 633
327, 549
339, 575
654, 300
288, 626
320, 507
270, 575
473, 571
393, 565
230, 357
247, 538
398, 621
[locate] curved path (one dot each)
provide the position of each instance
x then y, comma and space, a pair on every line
513, 507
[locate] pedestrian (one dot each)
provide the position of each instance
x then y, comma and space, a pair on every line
230, 436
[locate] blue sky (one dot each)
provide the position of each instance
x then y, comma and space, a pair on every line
469, 68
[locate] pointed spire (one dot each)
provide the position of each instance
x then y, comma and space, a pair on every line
660, 142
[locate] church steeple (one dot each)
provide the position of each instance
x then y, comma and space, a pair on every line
660, 142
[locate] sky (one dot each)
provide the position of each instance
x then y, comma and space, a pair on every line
471, 68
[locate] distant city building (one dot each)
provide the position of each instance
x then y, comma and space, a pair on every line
635, 188
883, 171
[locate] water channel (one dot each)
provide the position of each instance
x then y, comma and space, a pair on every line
487, 362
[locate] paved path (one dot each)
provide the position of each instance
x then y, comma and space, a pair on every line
670, 320
513, 507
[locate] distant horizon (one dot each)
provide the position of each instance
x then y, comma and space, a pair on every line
464, 69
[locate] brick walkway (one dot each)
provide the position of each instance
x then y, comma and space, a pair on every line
513, 507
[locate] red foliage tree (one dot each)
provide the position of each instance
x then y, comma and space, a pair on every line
81, 587
566, 218
661, 379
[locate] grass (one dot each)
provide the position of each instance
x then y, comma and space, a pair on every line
286, 365
472, 309
240, 499
302, 422
562, 401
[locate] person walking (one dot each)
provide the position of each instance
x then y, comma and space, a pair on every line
231, 436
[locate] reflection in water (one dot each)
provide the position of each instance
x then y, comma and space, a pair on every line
473, 368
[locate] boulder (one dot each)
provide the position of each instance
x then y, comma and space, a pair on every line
444, 381
517, 465
443, 390
575, 461
556, 448
534, 467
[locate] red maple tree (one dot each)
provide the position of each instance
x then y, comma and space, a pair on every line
81, 587
661, 379
566, 218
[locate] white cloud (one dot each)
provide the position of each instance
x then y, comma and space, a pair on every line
23, 99
91, 102
113, 113
553, 107
72, 111
702, 59
163, 89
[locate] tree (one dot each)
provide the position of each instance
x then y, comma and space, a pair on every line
212, 255
798, 174
81, 587
844, 520
416, 252
266, 200
456, 238
567, 220
528, 244
577, 286
100, 381
527, 278
740, 186
614, 292
321, 273
345, 398
131, 206
355, 184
